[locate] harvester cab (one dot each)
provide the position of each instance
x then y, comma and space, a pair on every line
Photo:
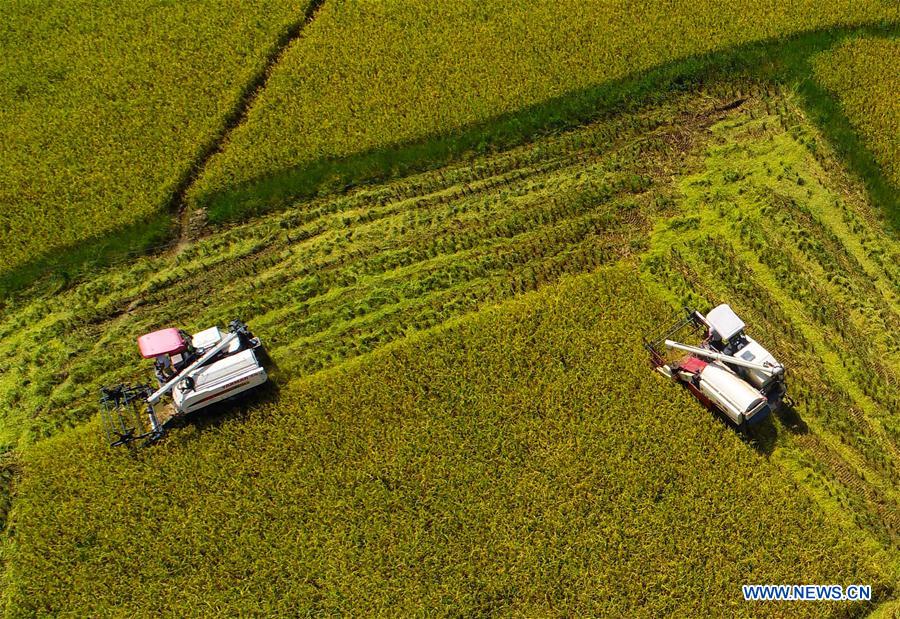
192, 373
171, 350
728, 370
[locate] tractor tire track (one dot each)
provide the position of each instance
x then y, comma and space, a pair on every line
189, 221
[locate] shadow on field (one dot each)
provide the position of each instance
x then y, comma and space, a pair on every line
791, 419
763, 436
779, 61
239, 409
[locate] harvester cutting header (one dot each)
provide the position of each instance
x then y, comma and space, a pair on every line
728, 371
193, 371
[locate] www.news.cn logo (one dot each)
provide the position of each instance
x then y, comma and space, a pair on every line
802, 593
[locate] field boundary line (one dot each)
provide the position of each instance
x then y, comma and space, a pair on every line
233, 119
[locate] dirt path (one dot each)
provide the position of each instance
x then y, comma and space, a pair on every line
191, 222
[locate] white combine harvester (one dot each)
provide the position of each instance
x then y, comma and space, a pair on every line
195, 371
729, 371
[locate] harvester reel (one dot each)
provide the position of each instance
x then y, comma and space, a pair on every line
121, 409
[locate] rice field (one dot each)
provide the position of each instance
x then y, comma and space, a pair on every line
438, 69
774, 227
331, 279
521, 460
465, 218
676, 203
108, 106
863, 73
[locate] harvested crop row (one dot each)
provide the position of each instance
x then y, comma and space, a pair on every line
338, 277
521, 460
806, 261
107, 106
369, 76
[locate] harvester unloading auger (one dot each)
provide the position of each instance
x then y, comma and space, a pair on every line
729, 371
194, 371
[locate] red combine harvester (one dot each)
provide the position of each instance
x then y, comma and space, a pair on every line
195, 371
729, 371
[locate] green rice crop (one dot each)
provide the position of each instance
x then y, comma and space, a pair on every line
523, 460
863, 73
107, 106
368, 76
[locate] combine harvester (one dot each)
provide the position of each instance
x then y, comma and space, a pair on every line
729, 371
196, 371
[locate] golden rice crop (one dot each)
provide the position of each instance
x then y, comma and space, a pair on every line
369, 75
523, 460
814, 268
693, 193
864, 74
105, 107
